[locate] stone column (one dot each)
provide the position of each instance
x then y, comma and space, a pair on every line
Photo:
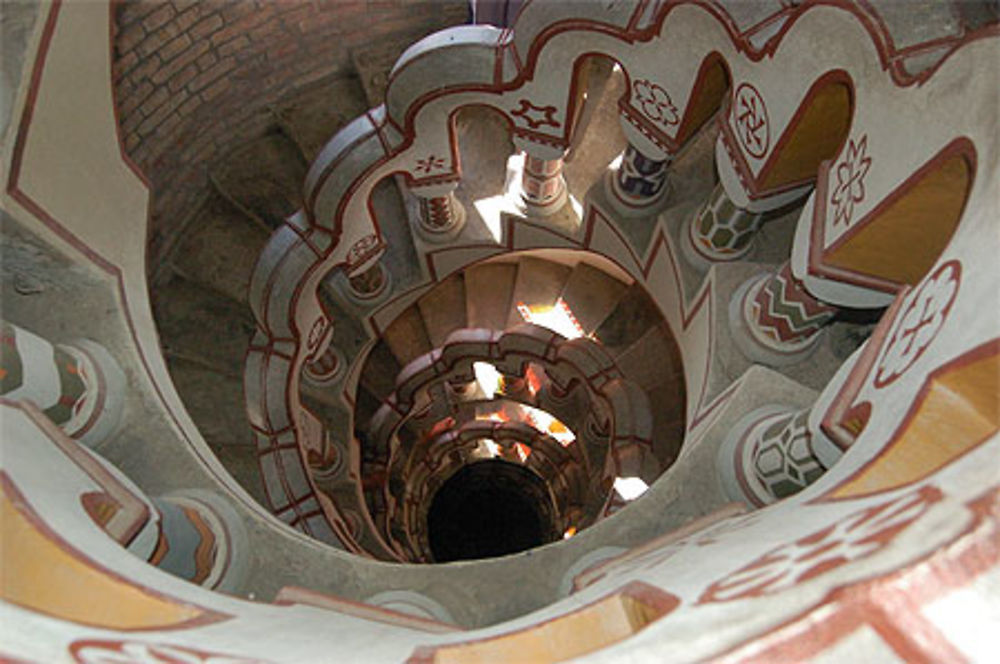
441, 216
79, 386
326, 369
720, 231
543, 188
639, 184
775, 320
368, 285
202, 539
769, 455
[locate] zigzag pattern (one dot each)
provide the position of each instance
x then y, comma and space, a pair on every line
786, 312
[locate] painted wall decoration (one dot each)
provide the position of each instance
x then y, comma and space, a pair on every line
851, 174
858, 535
783, 459
920, 322
655, 103
429, 164
534, 116
750, 116
101, 651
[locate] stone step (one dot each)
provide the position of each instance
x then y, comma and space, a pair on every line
539, 283
263, 178
381, 369
598, 137
202, 324
632, 316
407, 336
591, 295
667, 403
443, 309
309, 118
220, 249
215, 403
400, 257
488, 290
653, 360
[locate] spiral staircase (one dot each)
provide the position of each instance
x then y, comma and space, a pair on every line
388, 390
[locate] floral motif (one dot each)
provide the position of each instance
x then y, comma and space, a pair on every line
850, 181
920, 322
655, 103
851, 538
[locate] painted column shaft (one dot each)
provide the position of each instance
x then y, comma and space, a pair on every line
782, 315
769, 455
542, 183
721, 231
78, 386
639, 183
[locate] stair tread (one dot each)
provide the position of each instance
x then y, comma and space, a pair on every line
381, 369
265, 176
198, 322
214, 401
443, 309
488, 290
407, 336
314, 120
220, 250
667, 405
653, 359
632, 316
591, 295
539, 283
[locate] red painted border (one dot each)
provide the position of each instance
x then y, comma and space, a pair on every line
987, 349
818, 251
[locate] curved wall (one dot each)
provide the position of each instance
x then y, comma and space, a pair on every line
909, 513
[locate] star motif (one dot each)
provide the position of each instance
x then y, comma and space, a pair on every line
536, 116
430, 163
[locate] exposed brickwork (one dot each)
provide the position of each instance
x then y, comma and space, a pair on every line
196, 79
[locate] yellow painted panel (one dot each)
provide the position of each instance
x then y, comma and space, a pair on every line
905, 240
597, 626
41, 573
817, 135
958, 411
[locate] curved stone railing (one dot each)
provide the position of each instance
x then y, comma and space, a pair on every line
911, 512
620, 408
765, 158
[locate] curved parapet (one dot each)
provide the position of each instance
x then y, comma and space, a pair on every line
392, 447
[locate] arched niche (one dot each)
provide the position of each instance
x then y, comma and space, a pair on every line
816, 133
709, 91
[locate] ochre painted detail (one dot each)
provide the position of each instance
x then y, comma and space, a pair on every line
902, 242
956, 411
710, 90
40, 572
815, 136
598, 625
